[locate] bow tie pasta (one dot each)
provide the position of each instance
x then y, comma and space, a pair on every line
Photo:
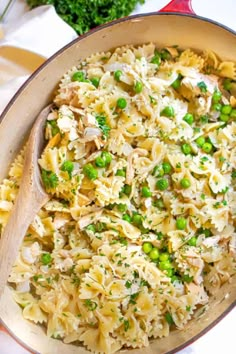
140, 166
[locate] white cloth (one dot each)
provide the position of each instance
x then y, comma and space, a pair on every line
39, 31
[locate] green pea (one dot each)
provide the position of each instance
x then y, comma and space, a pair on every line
126, 217
154, 254
100, 162
156, 59
46, 258
187, 278
224, 117
188, 118
78, 76
68, 167
233, 113
127, 189
90, 171
226, 109
138, 87
185, 183
207, 147
170, 272
165, 265
217, 107
158, 171
176, 84
162, 184
91, 227
227, 84
192, 241
147, 247
181, 223
117, 75
168, 111
122, 207
95, 81
121, 173
54, 128
200, 141
216, 97
107, 157
137, 219
121, 103
166, 167
164, 257
186, 149
145, 191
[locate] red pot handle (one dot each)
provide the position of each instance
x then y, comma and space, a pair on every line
182, 6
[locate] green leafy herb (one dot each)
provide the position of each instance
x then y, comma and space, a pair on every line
126, 325
133, 298
84, 15
91, 305
169, 318
46, 258
202, 86
103, 125
128, 284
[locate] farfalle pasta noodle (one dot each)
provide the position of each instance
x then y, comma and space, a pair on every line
140, 166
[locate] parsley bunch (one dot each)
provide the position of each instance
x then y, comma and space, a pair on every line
84, 15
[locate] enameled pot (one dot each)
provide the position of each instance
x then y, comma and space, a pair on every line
164, 29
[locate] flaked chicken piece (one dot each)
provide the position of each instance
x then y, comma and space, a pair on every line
38, 226
30, 254
130, 168
23, 287
52, 115
60, 219
211, 241
195, 83
198, 291
66, 122
89, 218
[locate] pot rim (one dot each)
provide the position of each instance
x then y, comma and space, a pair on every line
98, 28
50, 59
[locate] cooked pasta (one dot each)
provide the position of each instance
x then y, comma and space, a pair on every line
140, 167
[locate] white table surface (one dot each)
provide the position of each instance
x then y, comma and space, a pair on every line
221, 338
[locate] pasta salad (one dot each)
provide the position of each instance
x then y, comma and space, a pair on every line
139, 231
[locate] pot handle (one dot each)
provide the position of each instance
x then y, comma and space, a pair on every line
181, 6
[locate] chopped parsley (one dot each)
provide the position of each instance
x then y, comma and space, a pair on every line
91, 305
202, 86
102, 124
46, 258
